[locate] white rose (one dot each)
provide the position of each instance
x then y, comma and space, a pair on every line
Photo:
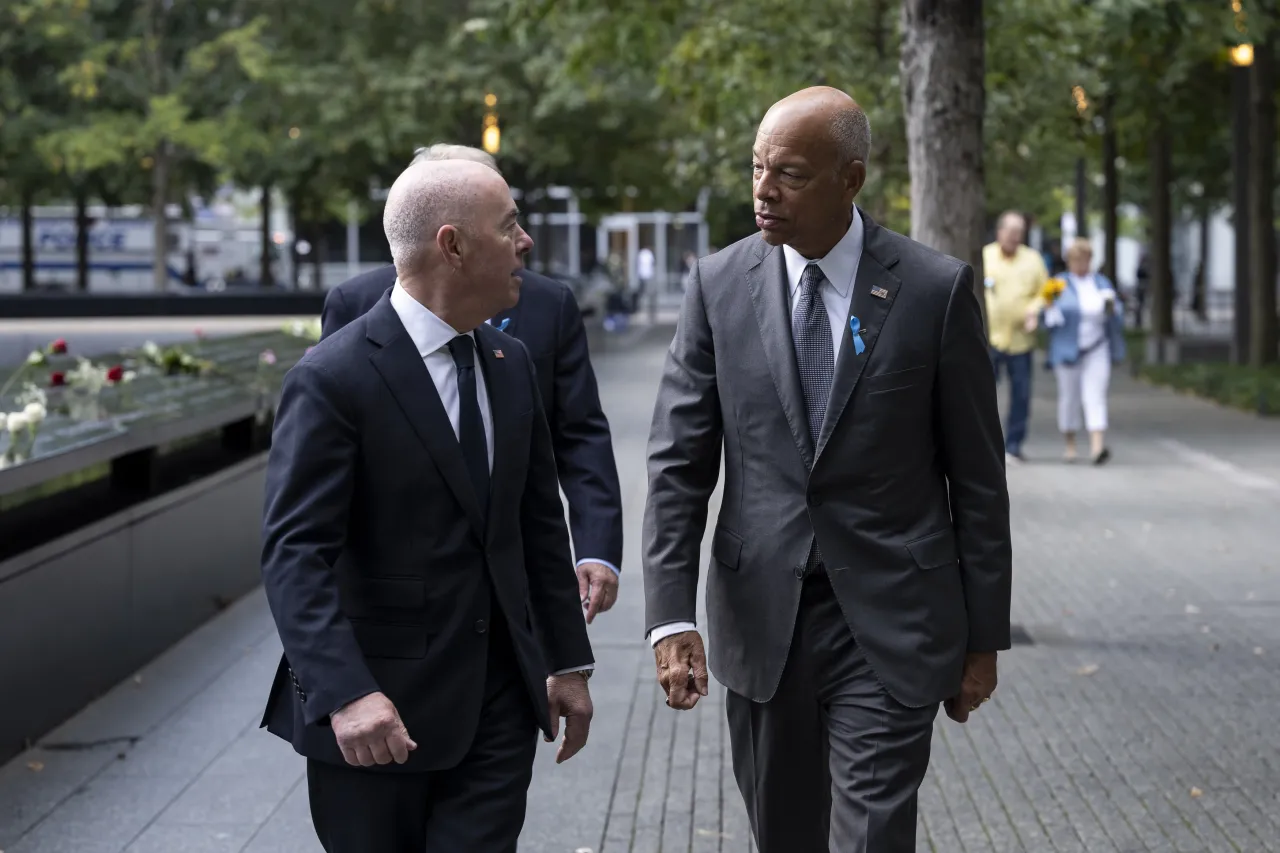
17, 422
35, 413
130, 375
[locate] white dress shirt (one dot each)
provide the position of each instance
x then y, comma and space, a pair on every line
840, 270
431, 336
1093, 311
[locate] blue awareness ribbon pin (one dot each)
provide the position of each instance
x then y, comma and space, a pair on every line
503, 326
856, 328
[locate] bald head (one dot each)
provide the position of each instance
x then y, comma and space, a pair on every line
449, 151
809, 164
430, 195
825, 113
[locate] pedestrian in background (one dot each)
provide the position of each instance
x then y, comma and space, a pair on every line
1085, 320
1014, 275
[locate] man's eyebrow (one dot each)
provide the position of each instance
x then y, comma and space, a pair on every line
512, 215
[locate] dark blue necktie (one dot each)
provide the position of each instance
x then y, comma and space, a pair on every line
471, 435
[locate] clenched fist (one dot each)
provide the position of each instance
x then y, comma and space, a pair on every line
370, 732
682, 669
976, 685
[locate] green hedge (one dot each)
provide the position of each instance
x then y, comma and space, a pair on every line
1250, 388
1253, 389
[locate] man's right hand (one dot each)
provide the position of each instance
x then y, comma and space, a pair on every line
682, 669
370, 732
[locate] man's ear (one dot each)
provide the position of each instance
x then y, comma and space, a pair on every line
449, 244
855, 177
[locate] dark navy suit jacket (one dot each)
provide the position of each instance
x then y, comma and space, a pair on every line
382, 569
547, 321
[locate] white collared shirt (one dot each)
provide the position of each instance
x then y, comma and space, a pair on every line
431, 336
840, 268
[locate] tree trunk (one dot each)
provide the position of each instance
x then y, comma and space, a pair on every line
1200, 291
160, 219
1110, 194
264, 270
28, 241
942, 67
1262, 240
1160, 214
319, 254
82, 239
1240, 154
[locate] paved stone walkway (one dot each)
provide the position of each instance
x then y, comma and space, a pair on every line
1137, 714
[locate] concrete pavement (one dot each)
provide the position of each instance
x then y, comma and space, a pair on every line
1136, 713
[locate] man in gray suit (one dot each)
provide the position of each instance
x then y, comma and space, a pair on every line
861, 563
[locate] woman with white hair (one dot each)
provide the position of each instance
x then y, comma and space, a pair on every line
1081, 310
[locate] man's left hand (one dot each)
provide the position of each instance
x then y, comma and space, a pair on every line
568, 697
597, 588
976, 687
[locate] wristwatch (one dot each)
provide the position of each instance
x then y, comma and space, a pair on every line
586, 674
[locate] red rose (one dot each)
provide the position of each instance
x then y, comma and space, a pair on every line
115, 374
57, 378
58, 347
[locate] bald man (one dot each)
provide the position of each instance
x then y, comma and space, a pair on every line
860, 570
413, 530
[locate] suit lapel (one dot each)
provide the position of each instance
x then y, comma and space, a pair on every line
767, 281
872, 310
498, 383
398, 362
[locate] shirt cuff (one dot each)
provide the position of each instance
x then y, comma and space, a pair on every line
615, 569
574, 669
663, 631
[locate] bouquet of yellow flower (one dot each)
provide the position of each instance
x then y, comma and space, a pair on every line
1052, 289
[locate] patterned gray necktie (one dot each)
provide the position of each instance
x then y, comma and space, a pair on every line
815, 358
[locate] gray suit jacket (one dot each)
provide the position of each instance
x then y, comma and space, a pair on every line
905, 489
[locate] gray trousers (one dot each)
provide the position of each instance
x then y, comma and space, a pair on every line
832, 762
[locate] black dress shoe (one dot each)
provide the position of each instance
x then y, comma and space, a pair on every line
1102, 457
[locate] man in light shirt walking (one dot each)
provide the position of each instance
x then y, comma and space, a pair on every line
1014, 275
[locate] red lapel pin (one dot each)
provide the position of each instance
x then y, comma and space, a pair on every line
498, 354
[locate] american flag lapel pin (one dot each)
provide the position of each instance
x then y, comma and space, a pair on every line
879, 292
498, 354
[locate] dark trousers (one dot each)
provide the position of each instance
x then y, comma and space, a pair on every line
478, 806
1018, 369
832, 762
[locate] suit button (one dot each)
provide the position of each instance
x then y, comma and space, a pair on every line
814, 500
481, 627
799, 572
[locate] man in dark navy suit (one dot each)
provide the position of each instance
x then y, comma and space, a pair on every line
413, 538
547, 321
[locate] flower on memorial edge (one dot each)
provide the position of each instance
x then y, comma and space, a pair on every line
267, 357
31, 393
16, 422
130, 375
115, 374
35, 413
36, 358
57, 379
58, 347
